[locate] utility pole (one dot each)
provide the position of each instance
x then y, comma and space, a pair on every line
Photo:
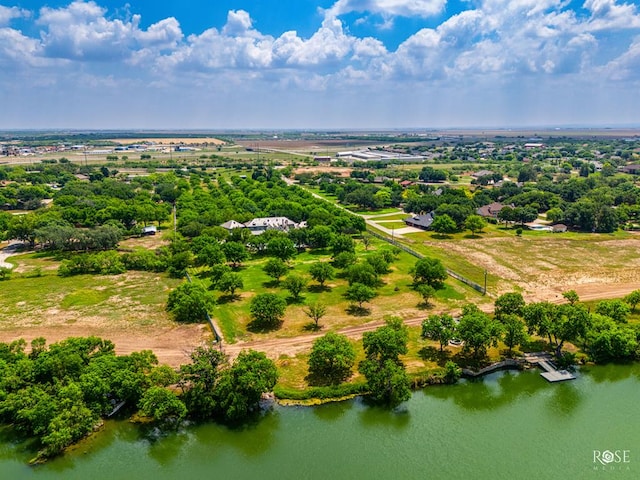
485, 282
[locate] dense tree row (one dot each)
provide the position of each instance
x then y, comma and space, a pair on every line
58, 394
603, 334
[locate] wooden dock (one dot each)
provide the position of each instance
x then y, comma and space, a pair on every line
551, 373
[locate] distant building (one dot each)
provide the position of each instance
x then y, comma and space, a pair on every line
491, 210
150, 230
258, 226
322, 159
232, 225
559, 228
420, 221
632, 169
481, 173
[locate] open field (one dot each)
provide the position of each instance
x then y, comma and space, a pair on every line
127, 309
395, 297
542, 266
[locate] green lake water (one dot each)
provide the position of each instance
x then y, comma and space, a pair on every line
509, 425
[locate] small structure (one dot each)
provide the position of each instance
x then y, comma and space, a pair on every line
559, 228
322, 159
149, 230
491, 210
631, 169
232, 225
420, 221
551, 373
258, 226
481, 173
406, 183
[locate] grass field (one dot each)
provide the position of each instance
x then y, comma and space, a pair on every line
395, 297
541, 264
38, 296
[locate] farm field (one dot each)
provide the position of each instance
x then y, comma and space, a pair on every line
127, 309
543, 265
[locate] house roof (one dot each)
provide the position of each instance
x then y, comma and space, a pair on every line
231, 224
270, 222
490, 210
481, 173
422, 221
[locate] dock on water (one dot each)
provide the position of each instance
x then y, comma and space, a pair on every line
551, 373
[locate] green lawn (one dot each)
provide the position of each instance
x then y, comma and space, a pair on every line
395, 296
38, 296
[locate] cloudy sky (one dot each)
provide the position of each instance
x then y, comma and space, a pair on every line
276, 64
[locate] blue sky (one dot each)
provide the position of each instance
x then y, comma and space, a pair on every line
303, 64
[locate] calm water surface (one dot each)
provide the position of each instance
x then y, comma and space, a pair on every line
510, 425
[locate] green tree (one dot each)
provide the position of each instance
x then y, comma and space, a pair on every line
379, 263
5, 273
555, 215
342, 243
439, 328
610, 341
360, 294
241, 386
478, 331
295, 284
444, 224
230, 282
210, 254
427, 292
614, 309
189, 303
235, 252
633, 299
344, 259
508, 304
200, 378
321, 272
559, 323
282, 248
331, 360
178, 264
275, 268
430, 271
474, 223
514, 331
385, 373
267, 310
320, 236
315, 311
162, 405
362, 273
571, 296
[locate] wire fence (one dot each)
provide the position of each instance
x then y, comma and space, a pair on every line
411, 251
212, 325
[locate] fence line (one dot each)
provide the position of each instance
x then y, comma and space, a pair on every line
212, 325
411, 251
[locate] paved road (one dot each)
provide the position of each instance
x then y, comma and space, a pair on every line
6, 253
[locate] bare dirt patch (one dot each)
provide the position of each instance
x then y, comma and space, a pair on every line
339, 171
171, 345
544, 267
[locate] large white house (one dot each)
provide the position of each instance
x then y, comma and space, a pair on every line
258, 226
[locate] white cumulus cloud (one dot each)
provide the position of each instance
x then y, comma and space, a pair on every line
402, 8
